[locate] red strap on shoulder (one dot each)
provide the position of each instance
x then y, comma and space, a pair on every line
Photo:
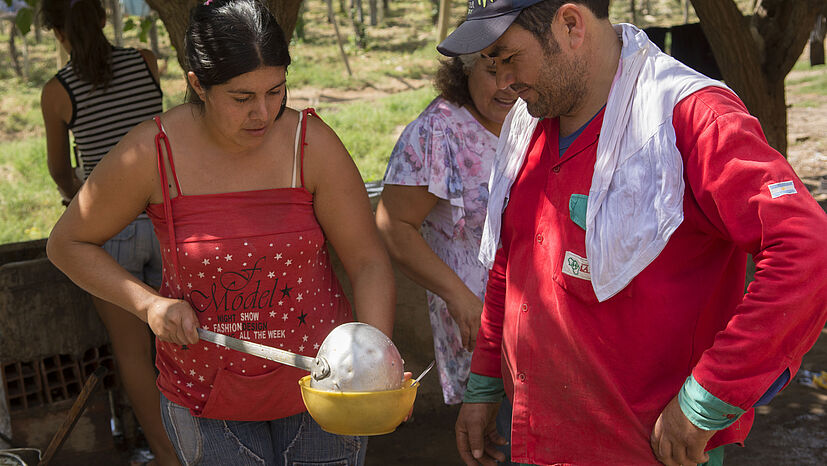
161, 136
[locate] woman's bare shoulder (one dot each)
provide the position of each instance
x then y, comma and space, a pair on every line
326, 157
140, 142
52, 86
321, 134
54, 98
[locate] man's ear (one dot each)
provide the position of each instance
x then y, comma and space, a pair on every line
571, 24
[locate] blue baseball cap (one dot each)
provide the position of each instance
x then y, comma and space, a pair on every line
487, 20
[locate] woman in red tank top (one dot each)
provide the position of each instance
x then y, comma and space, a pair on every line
243, 194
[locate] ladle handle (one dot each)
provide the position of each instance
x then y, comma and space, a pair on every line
318, 368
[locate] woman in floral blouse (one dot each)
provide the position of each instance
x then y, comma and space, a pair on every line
437, 179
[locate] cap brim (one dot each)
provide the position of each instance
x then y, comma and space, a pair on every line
475, 35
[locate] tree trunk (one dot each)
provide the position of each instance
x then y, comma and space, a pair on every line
633, 10
175, 15
15, 59
360, 12
286, 13
357, 19
153, 37
25, 55
434, 11
332, 18
38, 27
756, 54
374, 12
444, 19
117, 21
817, 41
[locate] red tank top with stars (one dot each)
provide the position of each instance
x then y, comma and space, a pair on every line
254, 265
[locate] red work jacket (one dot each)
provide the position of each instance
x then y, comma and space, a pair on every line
589, 379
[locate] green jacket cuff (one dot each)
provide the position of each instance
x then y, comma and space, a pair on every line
704, 409
483, 389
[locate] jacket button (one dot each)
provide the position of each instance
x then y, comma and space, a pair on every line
521, 376
556, 169
540, 238
524, 307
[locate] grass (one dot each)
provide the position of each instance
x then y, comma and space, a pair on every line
369, 129
19, 109
811, 81
402, 48
29, 202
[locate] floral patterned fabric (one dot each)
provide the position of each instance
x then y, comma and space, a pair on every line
450, 152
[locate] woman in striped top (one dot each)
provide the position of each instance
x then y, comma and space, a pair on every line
99, 96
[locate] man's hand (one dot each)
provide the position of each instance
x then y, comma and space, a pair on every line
477, 435
676, 441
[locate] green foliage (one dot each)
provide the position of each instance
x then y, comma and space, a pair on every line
143, 26
25, 16
24, 20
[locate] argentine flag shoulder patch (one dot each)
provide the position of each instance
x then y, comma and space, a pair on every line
781, 189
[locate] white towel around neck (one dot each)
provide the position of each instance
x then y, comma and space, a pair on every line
636, 196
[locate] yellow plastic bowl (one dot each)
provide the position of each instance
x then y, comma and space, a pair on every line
359, 413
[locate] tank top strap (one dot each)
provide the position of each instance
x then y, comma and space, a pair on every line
162, 135
173, 245
302, 137
296, 148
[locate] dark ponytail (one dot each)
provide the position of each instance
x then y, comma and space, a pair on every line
80, 22
227, 38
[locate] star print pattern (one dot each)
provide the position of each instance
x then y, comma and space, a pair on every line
264, 298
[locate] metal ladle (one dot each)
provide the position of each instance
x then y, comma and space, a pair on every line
318, 367
353, 357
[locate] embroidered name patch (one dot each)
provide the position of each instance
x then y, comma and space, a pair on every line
576, 266
782, 188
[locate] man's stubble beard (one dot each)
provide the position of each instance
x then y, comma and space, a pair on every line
560, 87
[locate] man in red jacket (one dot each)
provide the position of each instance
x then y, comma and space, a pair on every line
627, 193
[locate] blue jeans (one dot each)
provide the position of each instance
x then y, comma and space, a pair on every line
292, 441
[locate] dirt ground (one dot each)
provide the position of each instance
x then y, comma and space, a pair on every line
791, 430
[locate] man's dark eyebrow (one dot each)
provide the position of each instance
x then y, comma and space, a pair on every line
238, 91
498, 50
494, 53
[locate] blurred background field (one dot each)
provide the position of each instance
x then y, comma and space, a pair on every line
390, 84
